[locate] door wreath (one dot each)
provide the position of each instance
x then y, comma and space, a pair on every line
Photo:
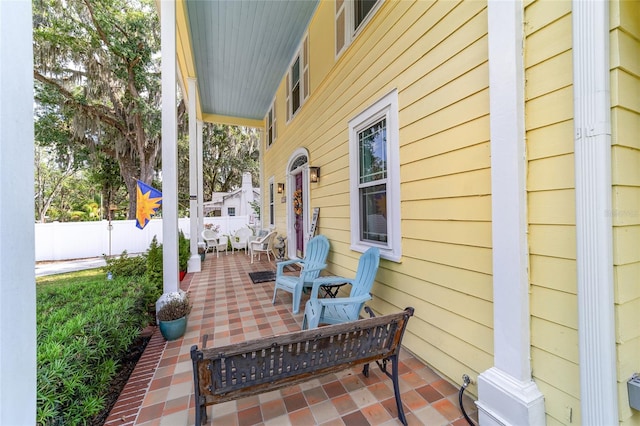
297, 202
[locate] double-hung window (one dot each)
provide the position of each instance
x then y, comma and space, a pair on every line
271, 124
272, 213
351, 16
375, 178
298, 79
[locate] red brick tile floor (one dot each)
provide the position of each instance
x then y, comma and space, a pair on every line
228, 307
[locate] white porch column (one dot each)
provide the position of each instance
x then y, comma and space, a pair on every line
194, 260
17, 251
199, 129
507, 395
592, 124
169, 147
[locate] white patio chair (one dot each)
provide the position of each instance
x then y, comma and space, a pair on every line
210, 239
240, 240
221, 245
262, 245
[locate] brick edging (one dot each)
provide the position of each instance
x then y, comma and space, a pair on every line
128, 405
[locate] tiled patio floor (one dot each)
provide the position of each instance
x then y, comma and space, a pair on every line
229, 307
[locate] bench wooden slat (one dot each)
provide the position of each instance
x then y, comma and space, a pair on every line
248, 368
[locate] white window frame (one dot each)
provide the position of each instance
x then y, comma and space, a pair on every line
345, 15
272, 202
271, 127
303, 55
386, 108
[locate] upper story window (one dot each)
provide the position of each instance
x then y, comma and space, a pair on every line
271, 125
374, 151
298, 79
231, 211
351, 16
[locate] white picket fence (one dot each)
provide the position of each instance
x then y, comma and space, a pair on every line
79, 240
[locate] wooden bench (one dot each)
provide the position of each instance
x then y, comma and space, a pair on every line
265, 364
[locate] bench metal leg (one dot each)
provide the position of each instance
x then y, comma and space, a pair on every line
396, 391
394, 379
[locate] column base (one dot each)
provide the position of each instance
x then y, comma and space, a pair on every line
504, 400
194, 264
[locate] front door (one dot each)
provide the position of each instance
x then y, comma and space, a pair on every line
298, 214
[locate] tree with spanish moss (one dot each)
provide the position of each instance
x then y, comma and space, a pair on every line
99, 61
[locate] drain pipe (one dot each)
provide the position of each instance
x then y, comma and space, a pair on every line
465, 382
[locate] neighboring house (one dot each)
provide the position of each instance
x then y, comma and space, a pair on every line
490, 150
235, 203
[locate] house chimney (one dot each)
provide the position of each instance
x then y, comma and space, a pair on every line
246, 195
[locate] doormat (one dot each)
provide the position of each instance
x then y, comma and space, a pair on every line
262, 276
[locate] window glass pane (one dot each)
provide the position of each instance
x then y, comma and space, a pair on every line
295, 98
271, 204
295, 86
295, 72
373, 208
340, 39
372, 144
231, 211
361, 9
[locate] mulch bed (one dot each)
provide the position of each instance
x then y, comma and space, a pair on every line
127, 365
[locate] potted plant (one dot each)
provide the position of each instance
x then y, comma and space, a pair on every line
172, 315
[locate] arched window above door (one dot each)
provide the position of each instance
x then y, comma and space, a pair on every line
299, 161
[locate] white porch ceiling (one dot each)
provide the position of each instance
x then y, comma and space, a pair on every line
242, 49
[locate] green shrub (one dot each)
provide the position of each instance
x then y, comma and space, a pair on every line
184, 251
154, 263
83, 329
126, 266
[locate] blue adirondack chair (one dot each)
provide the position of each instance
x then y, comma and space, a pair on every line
315, 260
343, 309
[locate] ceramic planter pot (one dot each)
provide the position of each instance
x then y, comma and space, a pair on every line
172, 330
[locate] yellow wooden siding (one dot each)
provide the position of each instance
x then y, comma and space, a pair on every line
435, 55
552, 140
625, 128
625, 212
558, 339
545, 271
456, 209
627, 281
551, 207
321, 43
547, 41
554, 306
562, 405
549, 76
566, 407
553, 173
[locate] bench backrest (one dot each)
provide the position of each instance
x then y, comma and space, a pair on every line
252, 367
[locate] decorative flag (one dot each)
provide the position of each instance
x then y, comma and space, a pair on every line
148, 201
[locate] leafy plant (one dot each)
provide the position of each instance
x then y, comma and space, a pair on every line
176, 307
126, 266
154, 263
83, 329
184, 251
